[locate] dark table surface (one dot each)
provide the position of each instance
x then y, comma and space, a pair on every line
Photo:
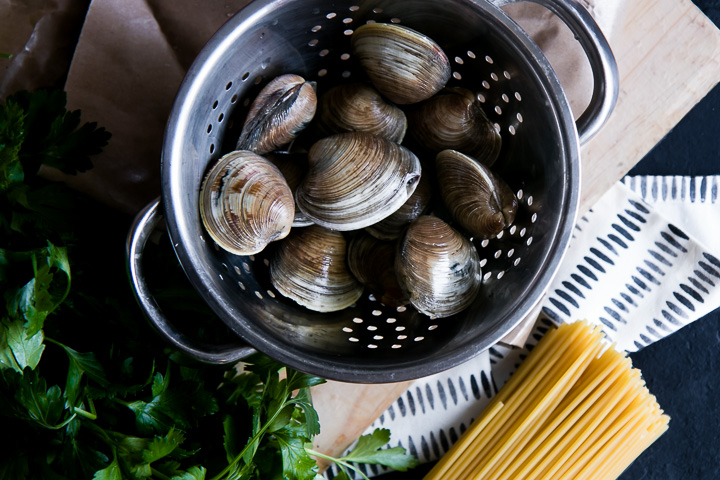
682, 370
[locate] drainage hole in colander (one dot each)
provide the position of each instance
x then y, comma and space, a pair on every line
313, 42
488, 59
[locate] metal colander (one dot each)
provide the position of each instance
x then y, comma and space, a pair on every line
370, 342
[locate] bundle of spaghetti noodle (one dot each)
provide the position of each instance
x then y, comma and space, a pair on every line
575, 408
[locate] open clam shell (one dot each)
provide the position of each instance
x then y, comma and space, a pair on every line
477, 199
438, 268
357, 107
454, 119
310, 268
403, 64
280, 111
356, 179
372, 261
245, 203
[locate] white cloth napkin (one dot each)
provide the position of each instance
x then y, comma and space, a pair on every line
641, 264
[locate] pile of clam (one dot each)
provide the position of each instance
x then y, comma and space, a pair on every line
358, 208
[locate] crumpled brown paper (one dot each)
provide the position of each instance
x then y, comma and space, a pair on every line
41, 36
132, 56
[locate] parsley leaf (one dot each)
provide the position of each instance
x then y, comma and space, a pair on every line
54, 135
19, 349
368, 450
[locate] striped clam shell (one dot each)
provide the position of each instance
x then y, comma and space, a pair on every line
438, 268
403, 64
245, 203
355, 180
310, 268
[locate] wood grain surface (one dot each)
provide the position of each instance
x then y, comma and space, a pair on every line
668, 56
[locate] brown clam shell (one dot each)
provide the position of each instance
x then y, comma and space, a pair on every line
438, 268
356, 179
245, 203
478, 200
403, 64
357, 107
280, 111
454, 119
372, 261
310, 268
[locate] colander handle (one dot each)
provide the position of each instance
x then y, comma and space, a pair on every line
606, 83
146, 222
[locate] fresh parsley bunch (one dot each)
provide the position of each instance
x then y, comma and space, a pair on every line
87, 390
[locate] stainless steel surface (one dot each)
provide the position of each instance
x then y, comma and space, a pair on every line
540, 160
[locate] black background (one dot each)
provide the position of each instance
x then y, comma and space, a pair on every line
682, 370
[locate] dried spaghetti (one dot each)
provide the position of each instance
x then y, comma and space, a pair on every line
575, 409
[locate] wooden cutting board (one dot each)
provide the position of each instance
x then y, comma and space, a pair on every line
668, 56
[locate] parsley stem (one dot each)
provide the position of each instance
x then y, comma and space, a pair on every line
85, 413
5, 55
339, 461
254, 439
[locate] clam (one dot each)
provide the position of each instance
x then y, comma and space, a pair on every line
477, 199
310, 268
245, 203
393, 226
280, 111
438, 268
403, 64
294, 167
356, 179
454, 119
372, 261
357, 107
